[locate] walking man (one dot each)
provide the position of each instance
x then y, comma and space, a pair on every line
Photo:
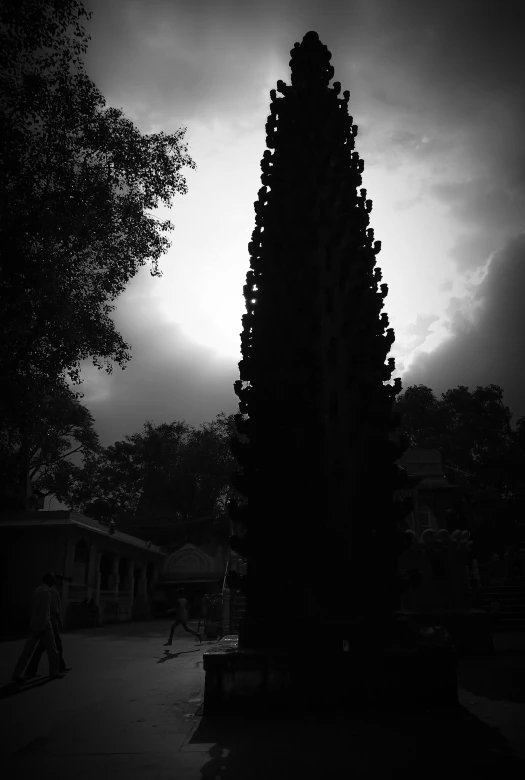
181, 612
40, 627
56, 623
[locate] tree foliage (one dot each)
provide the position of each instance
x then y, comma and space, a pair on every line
78, 184
170, 471
52, 451
78, 187
472, 429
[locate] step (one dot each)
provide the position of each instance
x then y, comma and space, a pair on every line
504, 597
505, 602
504, 591
502, 629
504, 617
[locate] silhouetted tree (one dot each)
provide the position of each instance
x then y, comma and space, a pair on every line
47, 454
472, 430
167, 474
77, 187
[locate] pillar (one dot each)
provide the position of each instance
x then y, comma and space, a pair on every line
98, 578
156, 596
115, 575
417, 525
143, 584
69, 566
131, 581
93, 566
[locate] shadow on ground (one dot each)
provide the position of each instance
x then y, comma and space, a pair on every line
387, 746
124, 631
12, 689
145, 629
170, 656
155, 629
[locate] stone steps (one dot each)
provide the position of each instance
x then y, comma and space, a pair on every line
511, 598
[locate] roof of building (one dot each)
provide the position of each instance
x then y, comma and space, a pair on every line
426, 464
65, 517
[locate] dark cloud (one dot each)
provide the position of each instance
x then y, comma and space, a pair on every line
489, 211
487, 340
438, 79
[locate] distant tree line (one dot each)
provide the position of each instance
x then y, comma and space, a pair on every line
170, 483
472, 430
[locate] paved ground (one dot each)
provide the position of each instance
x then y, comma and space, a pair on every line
130, 709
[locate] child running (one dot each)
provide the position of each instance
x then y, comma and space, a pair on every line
181, 611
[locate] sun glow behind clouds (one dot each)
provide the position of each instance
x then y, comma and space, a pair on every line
205, 269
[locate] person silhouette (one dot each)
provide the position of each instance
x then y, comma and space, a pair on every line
56, 622
181, 612
40, 628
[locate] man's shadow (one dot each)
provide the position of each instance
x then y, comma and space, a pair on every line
12, 689
170, 656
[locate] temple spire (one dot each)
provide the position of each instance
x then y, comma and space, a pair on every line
310, 64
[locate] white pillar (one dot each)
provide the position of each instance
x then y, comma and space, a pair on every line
98, 578
92, 570
69, 566
131, 581
143, 584
156, 574
416, 513
115, 575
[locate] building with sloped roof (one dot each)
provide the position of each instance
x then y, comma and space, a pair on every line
114, 574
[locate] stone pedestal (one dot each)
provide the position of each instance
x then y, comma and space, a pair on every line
315, 679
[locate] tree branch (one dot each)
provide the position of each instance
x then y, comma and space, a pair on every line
65, 455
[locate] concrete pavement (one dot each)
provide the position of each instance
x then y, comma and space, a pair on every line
130, 709
124, 710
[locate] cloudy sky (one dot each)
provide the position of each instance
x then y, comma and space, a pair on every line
437, 92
